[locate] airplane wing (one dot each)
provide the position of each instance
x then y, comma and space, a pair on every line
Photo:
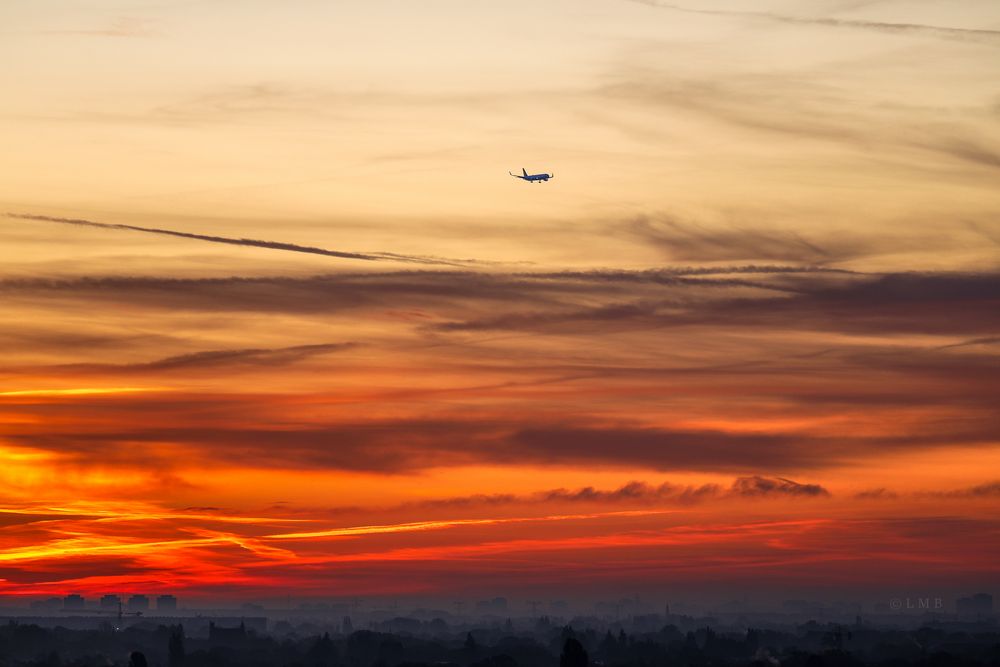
515, 175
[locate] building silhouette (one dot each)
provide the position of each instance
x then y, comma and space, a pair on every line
73, 601
496, 605
166, 603
138, 603
48, 604
227, 635
110, 602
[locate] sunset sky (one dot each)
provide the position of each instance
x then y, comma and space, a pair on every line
275, 320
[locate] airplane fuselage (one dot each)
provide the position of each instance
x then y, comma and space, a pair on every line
531, 178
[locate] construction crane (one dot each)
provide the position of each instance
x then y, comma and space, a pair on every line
120, 613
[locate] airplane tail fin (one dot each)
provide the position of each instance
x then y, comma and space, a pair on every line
525, 171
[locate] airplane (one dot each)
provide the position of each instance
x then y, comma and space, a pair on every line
531, 178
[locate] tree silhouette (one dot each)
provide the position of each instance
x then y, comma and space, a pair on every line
323, 651
573, 654
608, 647
175, 647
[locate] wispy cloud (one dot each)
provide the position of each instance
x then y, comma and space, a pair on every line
985, 490
215, 358
692, 242
880, 493
637, 492
757, 486
633, 492
790, 105
77, 391
983, 35
126, 26
255, 243
420, 526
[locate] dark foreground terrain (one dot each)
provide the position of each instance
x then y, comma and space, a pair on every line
529, 644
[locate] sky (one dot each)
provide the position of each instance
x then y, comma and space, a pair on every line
274, 318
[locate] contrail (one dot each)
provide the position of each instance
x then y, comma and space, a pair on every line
417, 526
880, 26
256, 243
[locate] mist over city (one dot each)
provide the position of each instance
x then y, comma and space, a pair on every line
498, 632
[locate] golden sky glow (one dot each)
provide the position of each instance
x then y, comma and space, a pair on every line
274, 318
